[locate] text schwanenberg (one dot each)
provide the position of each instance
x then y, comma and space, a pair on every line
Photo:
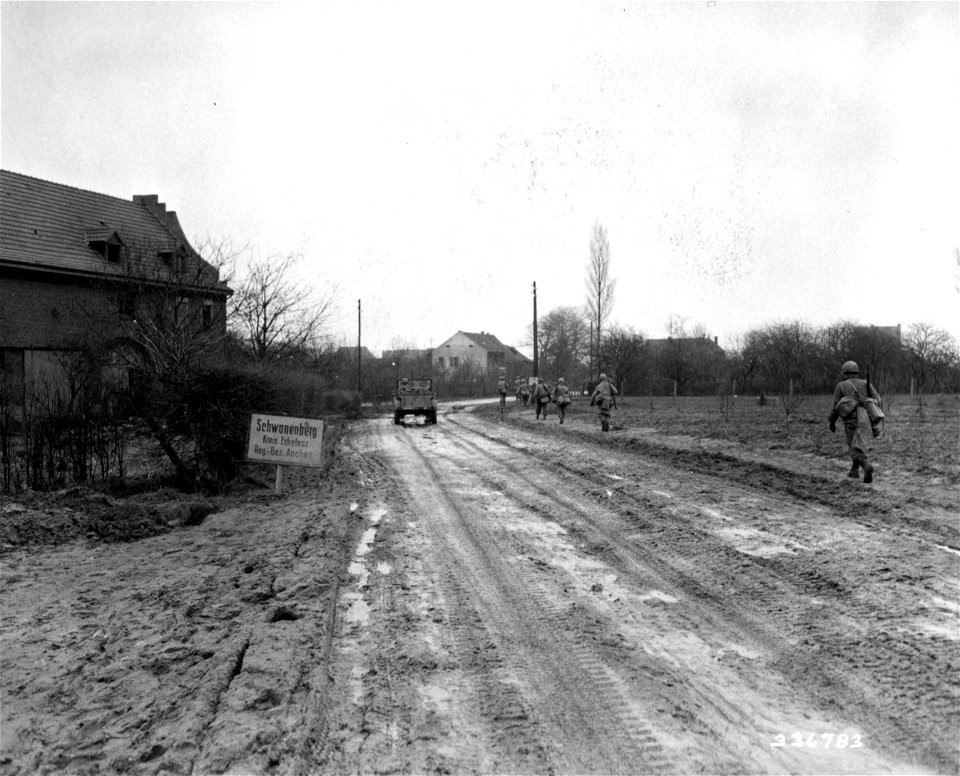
285, 440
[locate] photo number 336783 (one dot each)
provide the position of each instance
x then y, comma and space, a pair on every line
812, 740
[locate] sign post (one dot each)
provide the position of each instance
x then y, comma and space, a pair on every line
285, 441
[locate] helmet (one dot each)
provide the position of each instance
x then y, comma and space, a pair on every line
561, 380
603, 376
851, 368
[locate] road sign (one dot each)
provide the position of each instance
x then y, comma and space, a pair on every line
285, 441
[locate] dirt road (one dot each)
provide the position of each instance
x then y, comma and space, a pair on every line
502, 597
527, 599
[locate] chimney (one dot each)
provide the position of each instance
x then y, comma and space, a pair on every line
159, 209
173, 224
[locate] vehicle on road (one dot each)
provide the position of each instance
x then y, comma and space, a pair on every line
415, 396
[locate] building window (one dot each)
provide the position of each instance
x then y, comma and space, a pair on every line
454, 361
11, 363
206, 313
439, 360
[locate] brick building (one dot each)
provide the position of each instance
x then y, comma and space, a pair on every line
483, 351
78, 269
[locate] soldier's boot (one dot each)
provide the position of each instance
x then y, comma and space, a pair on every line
867, 468
854, 471
605, 424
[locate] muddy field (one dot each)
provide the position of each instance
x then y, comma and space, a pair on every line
701, 590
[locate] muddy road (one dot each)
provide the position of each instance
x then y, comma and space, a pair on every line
500, 596
530, 598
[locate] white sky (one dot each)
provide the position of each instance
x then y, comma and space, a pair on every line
751, 162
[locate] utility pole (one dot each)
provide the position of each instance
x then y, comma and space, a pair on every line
359, 360
536, 360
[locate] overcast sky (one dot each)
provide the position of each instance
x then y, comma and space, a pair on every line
751, 162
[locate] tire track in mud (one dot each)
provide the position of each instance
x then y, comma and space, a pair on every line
567, 692
418, 662
831, 649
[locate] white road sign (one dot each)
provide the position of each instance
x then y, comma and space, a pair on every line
285, 441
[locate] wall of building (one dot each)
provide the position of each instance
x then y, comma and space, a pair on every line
46, 314
457, 351
41, 314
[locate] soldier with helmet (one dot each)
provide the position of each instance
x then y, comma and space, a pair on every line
604, 397
541, 395
562, 397
857, 404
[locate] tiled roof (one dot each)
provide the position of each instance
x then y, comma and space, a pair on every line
48, 226
518, 355
486, 340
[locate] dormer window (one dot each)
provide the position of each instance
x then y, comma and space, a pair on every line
106, 242
174, 258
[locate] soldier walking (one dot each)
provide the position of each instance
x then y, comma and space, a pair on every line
562, 397
523, 391
541, 395
604, 397
857, 404
502, 390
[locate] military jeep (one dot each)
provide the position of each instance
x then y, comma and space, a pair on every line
415, 396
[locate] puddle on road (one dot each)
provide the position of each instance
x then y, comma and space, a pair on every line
358, 610
509, 520
751, 541
943, 620
948, 549
434, 696
366, 542
657, 595
713, 513
739, 649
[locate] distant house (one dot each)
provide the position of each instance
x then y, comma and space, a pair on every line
684, 364
891, 332
482, 350
77, 266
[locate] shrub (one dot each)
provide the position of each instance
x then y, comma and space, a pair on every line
214, 413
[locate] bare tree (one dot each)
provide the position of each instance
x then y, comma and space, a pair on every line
929, 352
790, 353
744, 356
563, 342
277, 316
160, 322
600, 286
673, 360
623, 352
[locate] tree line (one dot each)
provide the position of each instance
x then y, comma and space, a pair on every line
773, 359
788, 358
